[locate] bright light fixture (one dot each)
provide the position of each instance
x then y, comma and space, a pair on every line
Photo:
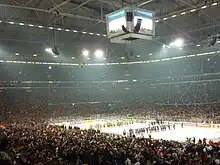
138, 56
49, 67
198, 45
193, 10
35, 55
85, 53
49, 50
84, 32
75, 31
122, 58
157, 21
173, 16
30, 25
150, 54
22, 24
177, 43
99, 53
59, 29
17, 54
11, 22
166, 46
203, 7
98, 34
183, 13
91, 33
104, 35
214, 4
51, 28
165, 18
73, 58
40, 26
67, 30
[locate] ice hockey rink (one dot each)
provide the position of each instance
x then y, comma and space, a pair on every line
177, 134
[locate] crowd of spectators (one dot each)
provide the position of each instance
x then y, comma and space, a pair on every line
41, 144
26, 137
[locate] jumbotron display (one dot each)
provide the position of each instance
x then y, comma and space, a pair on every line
115, 22
132, 21
146, 18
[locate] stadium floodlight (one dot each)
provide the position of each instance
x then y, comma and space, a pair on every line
177, 43
85, 53
213, 41
99, 53
49, 50
55, 51
183, 13
166, 46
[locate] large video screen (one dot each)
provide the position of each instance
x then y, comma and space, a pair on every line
146, 19
115, 22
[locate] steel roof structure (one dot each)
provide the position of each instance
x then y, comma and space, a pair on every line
27, 27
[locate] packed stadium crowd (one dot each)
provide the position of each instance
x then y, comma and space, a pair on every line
54, 145
26, 137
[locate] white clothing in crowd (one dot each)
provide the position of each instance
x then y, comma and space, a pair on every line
128, 161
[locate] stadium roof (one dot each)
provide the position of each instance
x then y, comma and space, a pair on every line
27, 27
